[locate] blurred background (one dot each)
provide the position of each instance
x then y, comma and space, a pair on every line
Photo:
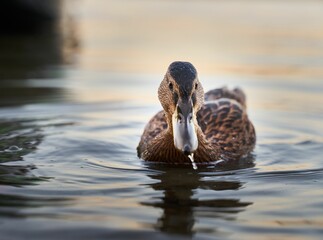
79, 43
78, 83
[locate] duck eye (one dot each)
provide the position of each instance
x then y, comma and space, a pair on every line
170, 85
196, 85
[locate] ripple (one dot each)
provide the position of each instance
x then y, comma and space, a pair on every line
305, 174
118, 166
13, 148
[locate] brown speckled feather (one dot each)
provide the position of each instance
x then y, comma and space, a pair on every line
154, 127
225, 131
225, 123
218, 93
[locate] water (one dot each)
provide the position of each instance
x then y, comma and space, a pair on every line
69, 128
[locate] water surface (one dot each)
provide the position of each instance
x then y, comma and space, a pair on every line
69, 132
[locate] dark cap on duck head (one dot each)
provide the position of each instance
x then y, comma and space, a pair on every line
184, 74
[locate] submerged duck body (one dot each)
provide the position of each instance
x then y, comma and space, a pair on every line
212, 126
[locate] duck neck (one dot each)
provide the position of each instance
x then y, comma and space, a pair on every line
162, 148
206, 151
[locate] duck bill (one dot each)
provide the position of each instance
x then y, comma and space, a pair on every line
184, 132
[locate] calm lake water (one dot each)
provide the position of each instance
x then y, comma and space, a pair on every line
74, 103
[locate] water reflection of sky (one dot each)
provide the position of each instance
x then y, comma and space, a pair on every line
268, 49
242, 37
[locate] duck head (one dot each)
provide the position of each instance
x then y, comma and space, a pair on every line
181, 95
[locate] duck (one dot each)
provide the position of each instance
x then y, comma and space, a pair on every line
212, 126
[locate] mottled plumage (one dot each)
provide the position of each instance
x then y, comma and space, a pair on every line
222, 126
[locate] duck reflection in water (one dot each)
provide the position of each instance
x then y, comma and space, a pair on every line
181, 201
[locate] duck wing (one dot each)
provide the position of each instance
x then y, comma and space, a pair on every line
224, 121
218, 93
